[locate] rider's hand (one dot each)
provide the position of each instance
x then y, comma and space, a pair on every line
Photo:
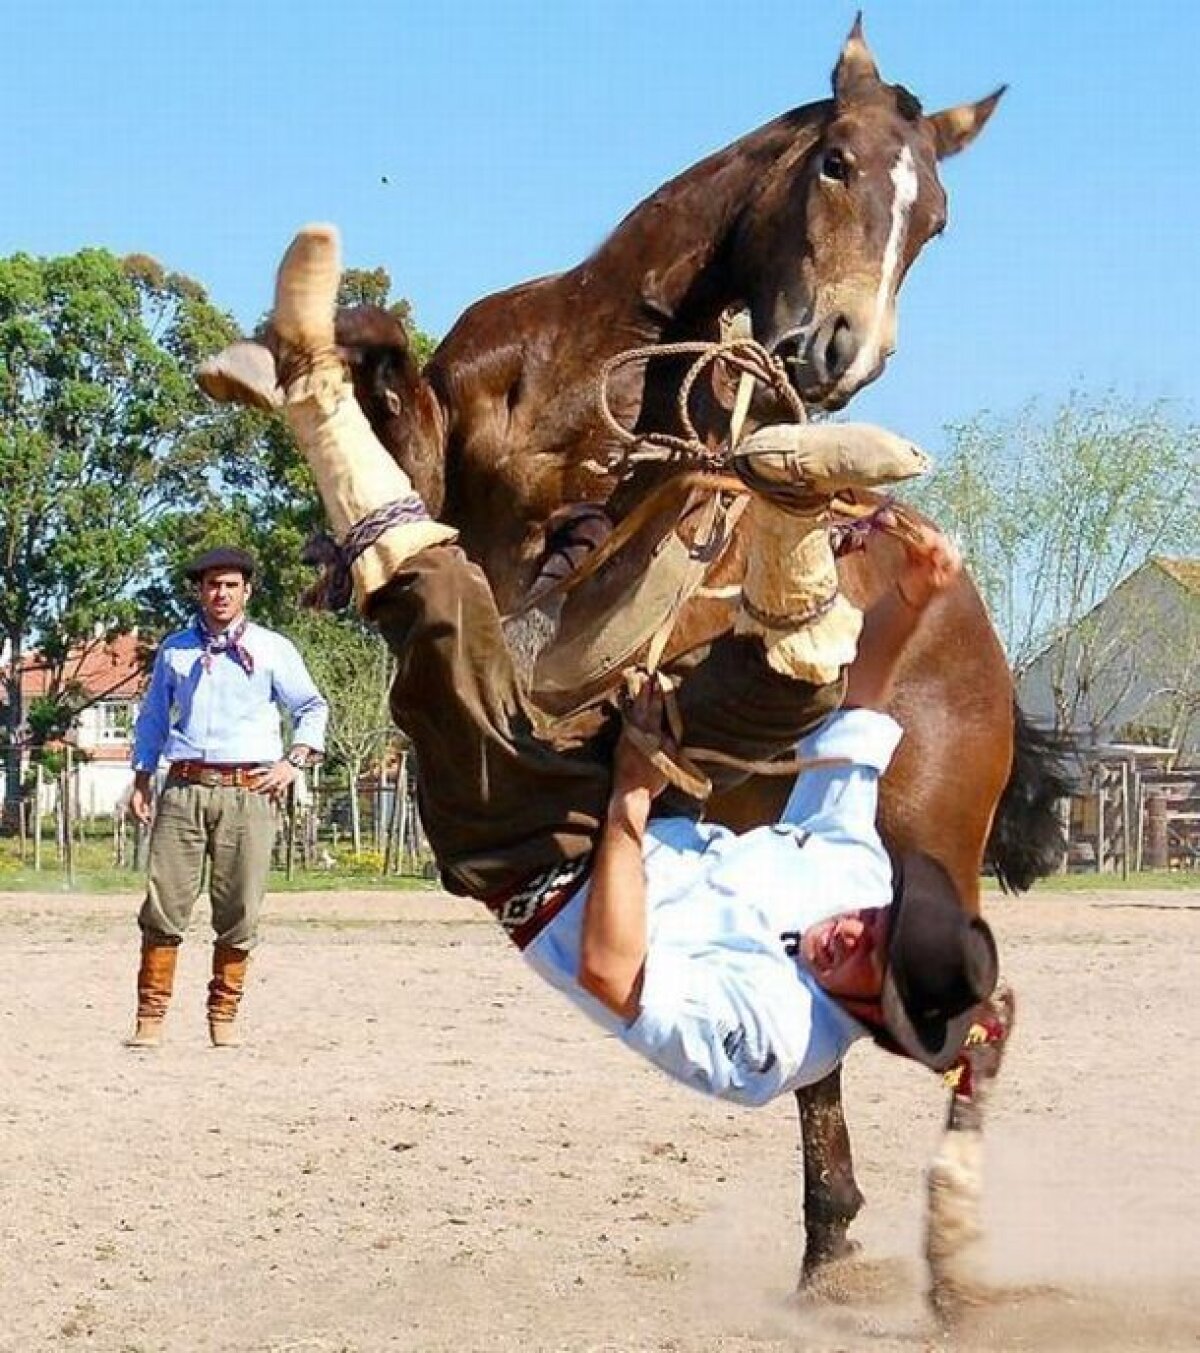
932, 563
636, 780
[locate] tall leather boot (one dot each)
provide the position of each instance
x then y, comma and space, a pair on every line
375, 515
155, 983
225, 994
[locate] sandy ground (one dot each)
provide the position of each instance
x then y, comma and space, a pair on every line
422, 1149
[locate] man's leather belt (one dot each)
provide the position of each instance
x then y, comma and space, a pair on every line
242, 776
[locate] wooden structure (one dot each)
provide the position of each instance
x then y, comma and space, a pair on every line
1134, 810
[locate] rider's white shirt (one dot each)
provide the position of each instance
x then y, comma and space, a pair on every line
725, 1006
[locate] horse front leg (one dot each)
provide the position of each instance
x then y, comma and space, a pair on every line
831, 1197
954, 1233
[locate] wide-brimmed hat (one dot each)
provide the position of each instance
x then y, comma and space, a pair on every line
223, 557
941, 963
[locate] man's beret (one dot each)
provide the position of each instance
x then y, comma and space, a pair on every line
223, 557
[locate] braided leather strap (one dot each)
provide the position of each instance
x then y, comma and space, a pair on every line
333, 590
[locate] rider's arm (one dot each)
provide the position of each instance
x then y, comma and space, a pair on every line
612, 951
930, 567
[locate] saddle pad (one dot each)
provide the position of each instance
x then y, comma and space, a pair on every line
610, 621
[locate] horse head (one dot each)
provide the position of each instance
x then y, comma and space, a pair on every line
403, 411
858, 195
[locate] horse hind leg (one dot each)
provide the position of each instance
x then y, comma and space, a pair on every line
831, 1196
954, 1226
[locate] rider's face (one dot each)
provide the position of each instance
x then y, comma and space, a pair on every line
847, 954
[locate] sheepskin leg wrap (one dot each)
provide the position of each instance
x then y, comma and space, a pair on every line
355, 475
790, 596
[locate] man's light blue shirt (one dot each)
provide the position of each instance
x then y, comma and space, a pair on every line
220, 712
726, 1006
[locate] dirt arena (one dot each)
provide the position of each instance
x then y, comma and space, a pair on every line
422, 1149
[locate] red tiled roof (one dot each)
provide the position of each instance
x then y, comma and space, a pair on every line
113, 669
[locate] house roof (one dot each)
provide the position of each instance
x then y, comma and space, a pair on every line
115, 669
1186, 572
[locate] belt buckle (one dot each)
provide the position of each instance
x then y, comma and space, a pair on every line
210, 779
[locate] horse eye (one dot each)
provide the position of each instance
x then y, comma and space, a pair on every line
835, 166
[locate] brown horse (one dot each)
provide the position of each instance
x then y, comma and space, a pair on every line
810, 223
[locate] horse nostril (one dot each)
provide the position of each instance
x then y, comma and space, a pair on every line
840, 347
832, 349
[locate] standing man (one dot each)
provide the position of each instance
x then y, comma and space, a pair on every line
212, 712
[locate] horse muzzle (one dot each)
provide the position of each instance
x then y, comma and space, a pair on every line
826, 364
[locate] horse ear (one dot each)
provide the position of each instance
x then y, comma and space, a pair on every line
955, 128
856, 66
244, 373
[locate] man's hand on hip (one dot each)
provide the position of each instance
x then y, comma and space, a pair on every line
274, 779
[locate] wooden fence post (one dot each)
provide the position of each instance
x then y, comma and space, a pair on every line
1100, 821
37, 818
67, 810
1156, 831
1125, 832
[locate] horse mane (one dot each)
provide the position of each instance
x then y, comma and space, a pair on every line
680, 226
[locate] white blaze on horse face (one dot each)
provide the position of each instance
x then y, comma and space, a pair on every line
904, 185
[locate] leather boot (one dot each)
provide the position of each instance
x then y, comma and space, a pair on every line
359, 482
225, 994
155, 982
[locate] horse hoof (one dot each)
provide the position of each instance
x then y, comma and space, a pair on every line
855, 1281
820, 1259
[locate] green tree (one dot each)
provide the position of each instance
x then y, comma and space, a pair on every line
1053, 510
115, 469
352, 668
103, 441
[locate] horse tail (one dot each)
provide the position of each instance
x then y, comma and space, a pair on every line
1027, 840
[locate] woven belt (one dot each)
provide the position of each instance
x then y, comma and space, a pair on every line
244, 776
527, 908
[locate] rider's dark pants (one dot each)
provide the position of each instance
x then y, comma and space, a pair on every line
501, 797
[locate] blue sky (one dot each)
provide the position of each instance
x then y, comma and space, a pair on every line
513, 137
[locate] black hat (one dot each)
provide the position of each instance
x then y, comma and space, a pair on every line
941, 964
223, 557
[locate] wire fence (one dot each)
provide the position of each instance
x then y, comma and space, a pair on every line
362, 827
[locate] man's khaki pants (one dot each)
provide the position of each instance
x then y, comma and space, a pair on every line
233, 827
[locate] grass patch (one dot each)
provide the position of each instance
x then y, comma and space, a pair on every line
1149, 880
54, 880
96, 873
